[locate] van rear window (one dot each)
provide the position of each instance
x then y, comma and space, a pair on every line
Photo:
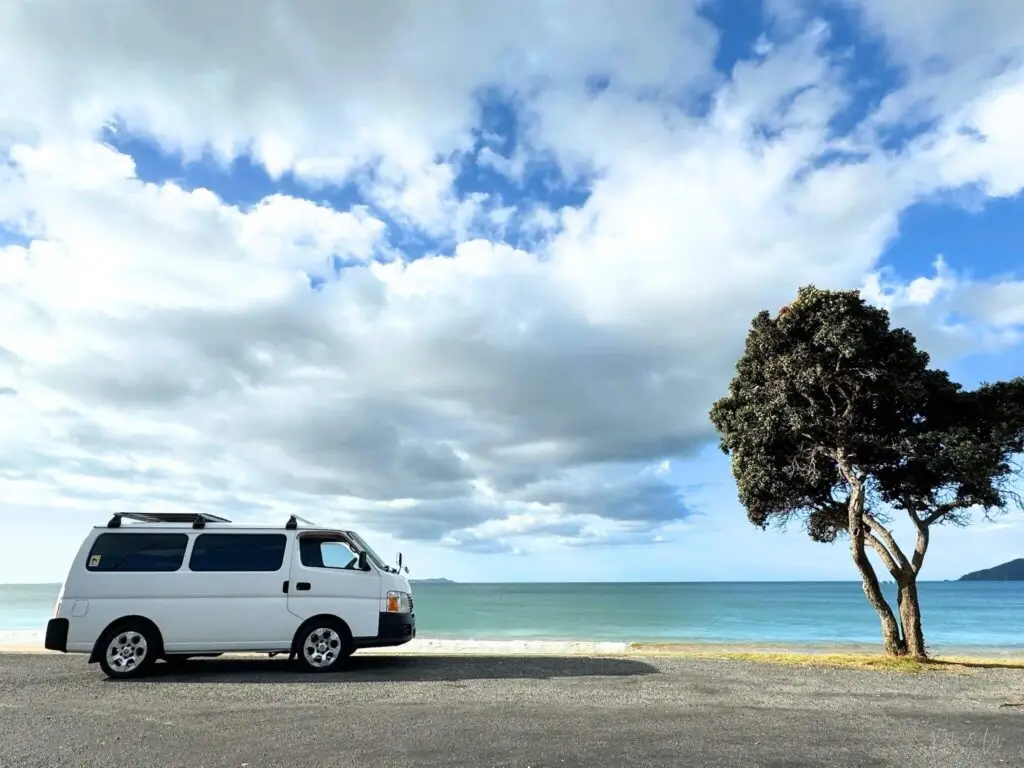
137, 552
238, 552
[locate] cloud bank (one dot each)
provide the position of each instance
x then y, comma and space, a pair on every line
558, 220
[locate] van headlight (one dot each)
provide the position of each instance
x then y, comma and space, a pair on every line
399, 602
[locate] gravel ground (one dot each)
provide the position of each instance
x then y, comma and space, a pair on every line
505, 711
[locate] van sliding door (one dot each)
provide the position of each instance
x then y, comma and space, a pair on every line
234, 583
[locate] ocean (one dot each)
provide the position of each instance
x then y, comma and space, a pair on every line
957, 615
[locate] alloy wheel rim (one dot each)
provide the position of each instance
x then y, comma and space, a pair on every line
126, 651
322, 647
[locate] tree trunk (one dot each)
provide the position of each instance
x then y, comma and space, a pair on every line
909, 601
910, 617
891, 640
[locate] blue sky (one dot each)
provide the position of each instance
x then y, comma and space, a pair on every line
471, 284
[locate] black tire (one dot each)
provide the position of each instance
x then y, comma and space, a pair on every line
323, 644
129, 650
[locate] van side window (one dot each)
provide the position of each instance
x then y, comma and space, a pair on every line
137, 552
326, 552
238, 552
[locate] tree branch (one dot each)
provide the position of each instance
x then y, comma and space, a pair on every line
887, 561
912, 514
919, 549
911, 510
923, 535
883, 533
941, 511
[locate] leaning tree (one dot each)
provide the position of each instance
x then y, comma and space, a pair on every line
834, 418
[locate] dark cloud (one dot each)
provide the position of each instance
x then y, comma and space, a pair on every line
626, 539
433, 520
647, 500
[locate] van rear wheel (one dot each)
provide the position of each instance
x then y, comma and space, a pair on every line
129, 650
323, 645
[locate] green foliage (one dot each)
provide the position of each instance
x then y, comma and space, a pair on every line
828, 380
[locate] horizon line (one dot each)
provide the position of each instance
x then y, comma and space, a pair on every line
437, 580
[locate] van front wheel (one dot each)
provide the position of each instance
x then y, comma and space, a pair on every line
323, 645
129, 651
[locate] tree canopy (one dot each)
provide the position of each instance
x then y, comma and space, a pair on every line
836, 419
829, 383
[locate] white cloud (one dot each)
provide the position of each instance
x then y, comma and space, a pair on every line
952, 314
165, 346
946, 51
328, 88
956, 33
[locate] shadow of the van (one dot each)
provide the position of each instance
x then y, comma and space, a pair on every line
379, 669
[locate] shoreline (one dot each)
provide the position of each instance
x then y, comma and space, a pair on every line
31, 642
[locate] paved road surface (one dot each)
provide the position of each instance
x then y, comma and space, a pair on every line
479, 712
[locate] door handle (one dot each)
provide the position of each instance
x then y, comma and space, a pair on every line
303, 586
284, 587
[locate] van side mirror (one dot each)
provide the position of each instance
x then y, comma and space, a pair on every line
399, 560
364, 562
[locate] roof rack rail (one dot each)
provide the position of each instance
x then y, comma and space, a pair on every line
198, 519
294, 520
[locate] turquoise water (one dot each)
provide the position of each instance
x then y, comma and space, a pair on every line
956, 614
26, 606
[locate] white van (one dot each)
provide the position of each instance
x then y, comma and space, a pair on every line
170, 586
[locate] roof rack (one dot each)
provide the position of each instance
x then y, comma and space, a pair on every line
294, 520
198, 519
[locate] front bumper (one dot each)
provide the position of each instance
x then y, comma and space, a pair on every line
392, 629
57, 635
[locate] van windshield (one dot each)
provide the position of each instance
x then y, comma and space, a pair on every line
373, 556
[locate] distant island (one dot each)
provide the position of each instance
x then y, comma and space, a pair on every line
1011, 571
431, 581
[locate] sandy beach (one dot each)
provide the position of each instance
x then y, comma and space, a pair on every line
31, 642
21, 641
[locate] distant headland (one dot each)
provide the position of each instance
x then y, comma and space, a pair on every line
1011, 571
431, 581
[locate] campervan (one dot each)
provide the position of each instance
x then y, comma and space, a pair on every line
170, 586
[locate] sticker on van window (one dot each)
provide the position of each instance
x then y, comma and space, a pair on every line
94, 561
